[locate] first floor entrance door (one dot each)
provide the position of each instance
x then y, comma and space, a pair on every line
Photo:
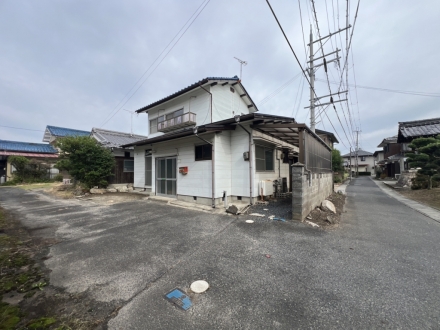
166, 176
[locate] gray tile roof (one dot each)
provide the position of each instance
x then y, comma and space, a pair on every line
197, 84
360, 152
113, 139
391, 139
419, 128
27, 147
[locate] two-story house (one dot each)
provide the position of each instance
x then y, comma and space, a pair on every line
393, 162
365, 161
207, 142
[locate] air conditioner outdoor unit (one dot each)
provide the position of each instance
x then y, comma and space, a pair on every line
265, 188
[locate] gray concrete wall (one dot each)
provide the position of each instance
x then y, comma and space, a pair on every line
308, 190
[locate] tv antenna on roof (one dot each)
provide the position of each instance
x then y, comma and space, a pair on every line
241, 64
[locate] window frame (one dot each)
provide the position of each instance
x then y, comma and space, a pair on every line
204, 157
124, 167
265, 148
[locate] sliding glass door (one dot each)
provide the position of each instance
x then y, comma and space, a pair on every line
166, 176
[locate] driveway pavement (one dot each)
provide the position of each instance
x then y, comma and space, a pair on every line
379, 269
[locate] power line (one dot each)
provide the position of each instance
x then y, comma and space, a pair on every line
326, 73
299, 63
429, 94
203, 5
26, 129
277, 91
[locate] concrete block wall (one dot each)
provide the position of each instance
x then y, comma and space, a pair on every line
308, 190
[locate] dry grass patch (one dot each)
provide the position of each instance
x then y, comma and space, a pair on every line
424, 196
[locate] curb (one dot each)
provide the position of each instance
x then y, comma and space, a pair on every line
426, 210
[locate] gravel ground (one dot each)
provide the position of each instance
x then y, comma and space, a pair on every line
280, 208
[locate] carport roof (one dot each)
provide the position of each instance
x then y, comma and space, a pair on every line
283, 128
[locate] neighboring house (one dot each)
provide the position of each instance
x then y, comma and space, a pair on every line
207, 144
393, 158
378, 161
365, 161
410, 130
327, 137
39, 151
124, 160
52, 133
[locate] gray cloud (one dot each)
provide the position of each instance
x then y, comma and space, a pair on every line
70, 63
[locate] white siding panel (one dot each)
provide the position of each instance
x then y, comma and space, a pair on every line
239, 167
223, 163
198, 180
139, 167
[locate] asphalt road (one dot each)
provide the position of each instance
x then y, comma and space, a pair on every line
379, 269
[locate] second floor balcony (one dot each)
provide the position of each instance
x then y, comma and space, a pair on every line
170, 124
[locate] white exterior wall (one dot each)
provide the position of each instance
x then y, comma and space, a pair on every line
199, 105
223, 161
369, 161
139, 167
198, 180
239, 167
227, 104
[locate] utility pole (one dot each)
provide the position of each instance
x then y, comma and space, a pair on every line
357, 149
312, 84
311, 72
241, 65
351, 177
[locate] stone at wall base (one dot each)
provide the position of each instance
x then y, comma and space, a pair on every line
97, 191
232, 209
328, 206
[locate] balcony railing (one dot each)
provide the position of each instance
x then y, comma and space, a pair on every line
187, 119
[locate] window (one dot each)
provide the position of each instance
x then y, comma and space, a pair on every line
264, 159
153, 126
204, 152
128, 165
363, 158
127, 154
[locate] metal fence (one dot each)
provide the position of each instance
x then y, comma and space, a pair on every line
318, 158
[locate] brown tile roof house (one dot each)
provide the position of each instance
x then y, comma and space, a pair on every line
410, 130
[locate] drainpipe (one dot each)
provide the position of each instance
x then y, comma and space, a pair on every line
211, 97
212, 167
251, 174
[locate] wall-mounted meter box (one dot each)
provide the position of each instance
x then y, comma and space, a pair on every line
183, 170
246, 155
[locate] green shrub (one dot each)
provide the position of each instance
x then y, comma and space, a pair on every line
58, 178
337, 179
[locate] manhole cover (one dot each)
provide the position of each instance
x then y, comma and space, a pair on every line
179, 298
199, 286
249, 221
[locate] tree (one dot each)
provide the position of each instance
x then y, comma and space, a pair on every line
337, 161
29, 170
86, 160
426, 156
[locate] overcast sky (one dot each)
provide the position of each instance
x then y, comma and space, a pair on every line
71, 63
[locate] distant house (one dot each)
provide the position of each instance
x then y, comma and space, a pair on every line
208, 144
327, 137
378, 160
393, 159
124, 158
39, 151
52, 133
365, 161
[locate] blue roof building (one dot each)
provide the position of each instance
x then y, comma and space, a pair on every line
6, 146
53, 132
